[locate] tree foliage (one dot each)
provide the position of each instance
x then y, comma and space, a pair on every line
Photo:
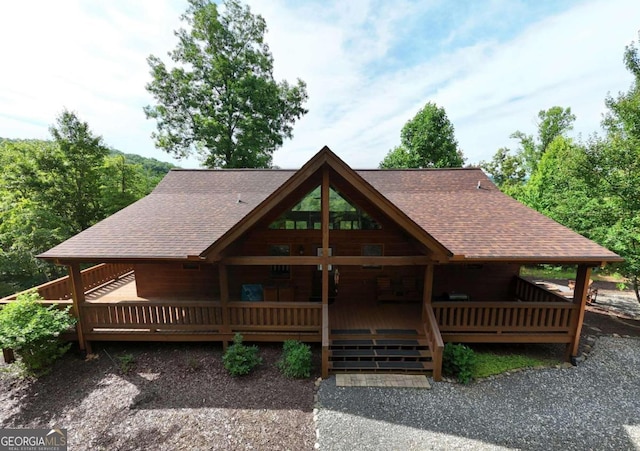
591, 187
427, 141
50, 190
221, 99
510, 169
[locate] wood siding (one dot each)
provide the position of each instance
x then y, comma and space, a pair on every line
483, 282
174, 280
355, 281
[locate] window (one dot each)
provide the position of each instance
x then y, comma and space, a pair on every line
280, 271
372, 250
306, 215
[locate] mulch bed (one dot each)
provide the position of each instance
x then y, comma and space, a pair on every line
176, 396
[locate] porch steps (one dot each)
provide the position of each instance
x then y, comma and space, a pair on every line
392, 351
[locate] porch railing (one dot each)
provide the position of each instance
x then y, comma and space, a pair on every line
532, 292
92, 278
275, 316
436, 344
152, 316
506, 318
200, 316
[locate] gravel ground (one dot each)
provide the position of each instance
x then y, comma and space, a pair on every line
176, 397
594, 406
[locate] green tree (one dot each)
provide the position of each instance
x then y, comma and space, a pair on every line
510, 169
427, 141
221, 99
40, 182
74, 168
614, 164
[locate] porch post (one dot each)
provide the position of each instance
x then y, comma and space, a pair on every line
325, 271
427, 290
77, 294
223, 277
579, 298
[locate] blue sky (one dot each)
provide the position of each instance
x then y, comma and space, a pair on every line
369, 66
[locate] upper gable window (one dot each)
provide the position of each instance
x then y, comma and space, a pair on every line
307, 214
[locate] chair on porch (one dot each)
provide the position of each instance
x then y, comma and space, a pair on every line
384, 289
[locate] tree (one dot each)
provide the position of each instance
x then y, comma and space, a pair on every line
221, 99
75, 166
614, 164
427, 141
510, 169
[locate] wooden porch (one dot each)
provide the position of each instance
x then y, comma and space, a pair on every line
112, 311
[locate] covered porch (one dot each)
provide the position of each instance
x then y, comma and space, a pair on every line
111, 310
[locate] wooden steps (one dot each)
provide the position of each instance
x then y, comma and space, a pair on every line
384, 351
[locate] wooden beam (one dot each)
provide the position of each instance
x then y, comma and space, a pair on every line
325, 341
77, 294
325, 235
346, 260
579, 297
223, 277
267, 260
427, 289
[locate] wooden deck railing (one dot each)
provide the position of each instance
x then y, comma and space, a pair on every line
532, 292
436, 344
130, 317
92, 278
460, 321
153, 316
275, 316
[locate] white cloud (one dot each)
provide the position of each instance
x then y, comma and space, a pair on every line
369, 66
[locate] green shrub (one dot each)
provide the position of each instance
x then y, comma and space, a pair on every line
296, 359
459, 361
32, 331
127, 361
240, 359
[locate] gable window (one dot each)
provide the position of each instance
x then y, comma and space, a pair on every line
280, 271
307, 214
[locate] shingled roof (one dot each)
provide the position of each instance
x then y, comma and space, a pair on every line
192, 209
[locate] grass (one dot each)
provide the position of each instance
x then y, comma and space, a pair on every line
561, 272
489, 364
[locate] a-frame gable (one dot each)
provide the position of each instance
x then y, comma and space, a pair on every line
325, 157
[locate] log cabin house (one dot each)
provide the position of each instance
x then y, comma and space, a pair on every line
381, 267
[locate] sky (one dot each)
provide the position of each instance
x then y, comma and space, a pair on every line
369, 65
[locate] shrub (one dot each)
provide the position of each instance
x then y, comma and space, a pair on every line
459, 361
127, 361
32, 331
296, 359
240, 359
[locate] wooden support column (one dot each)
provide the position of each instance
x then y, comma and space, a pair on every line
579, 298
325, 271
223, 275
427, 289
77, 293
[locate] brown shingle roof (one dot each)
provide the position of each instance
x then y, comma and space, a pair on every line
191, 209
480, 223
185, 213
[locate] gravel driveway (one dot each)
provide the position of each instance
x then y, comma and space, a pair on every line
593, 406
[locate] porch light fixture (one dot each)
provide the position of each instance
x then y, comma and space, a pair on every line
301, 250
